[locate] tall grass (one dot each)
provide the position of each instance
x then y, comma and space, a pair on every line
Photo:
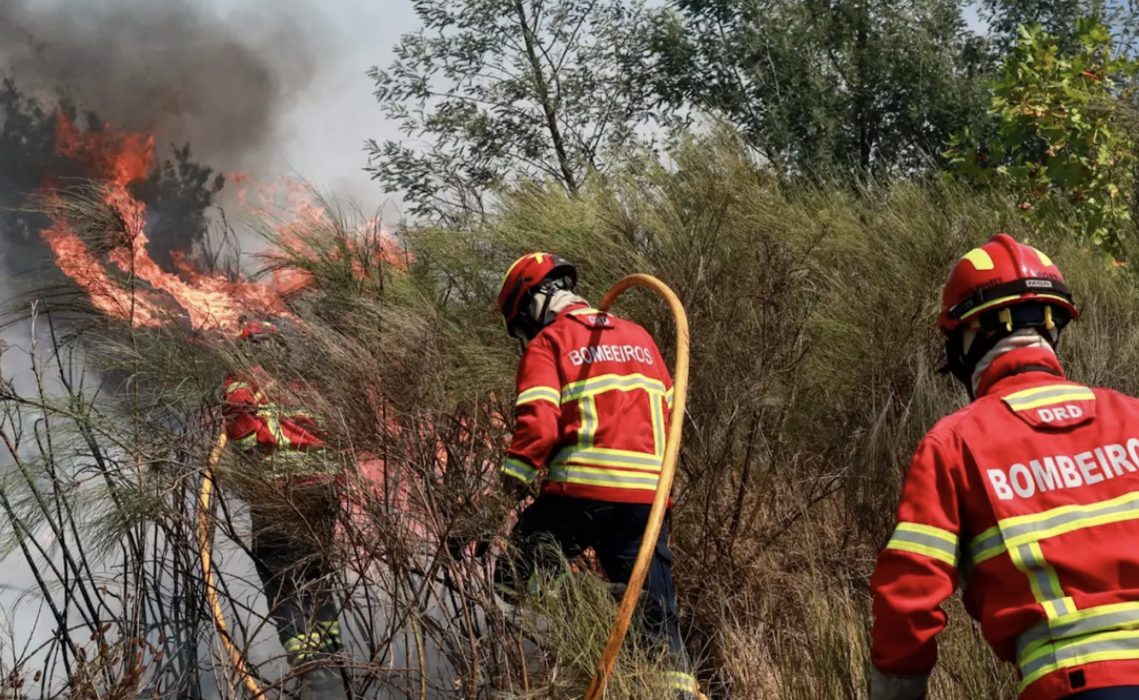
814, 375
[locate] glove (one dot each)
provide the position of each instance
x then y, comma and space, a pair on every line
884, 686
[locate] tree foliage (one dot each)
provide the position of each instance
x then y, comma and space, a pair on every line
493, 91
1058, 18
1058, 142
864, 85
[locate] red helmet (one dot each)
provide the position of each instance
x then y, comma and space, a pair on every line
523, 279
1000, 274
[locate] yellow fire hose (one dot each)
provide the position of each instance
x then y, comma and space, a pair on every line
204, 497
664, 486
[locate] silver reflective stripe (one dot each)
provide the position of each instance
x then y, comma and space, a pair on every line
1073, 653
986, 548
636, 460
923, 539
1073, 516
902, 537
1030, 398
1048, 586
1109, 617
601, 477
599, 385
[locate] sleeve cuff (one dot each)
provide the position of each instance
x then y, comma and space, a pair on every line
519, 470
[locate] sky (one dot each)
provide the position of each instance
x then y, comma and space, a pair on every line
322, 137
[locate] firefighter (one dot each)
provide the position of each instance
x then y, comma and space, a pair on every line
1028, 498
590, 425
294, 501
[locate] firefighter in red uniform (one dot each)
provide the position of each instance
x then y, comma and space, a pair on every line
294, 501
590, 424
1028, 498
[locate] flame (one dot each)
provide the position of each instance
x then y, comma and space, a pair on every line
77, 262
298, 210
151, 296
209, 301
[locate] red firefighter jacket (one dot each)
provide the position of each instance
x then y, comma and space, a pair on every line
286, 439
1029, 497
592, 409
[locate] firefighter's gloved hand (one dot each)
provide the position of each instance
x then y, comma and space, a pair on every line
884, 686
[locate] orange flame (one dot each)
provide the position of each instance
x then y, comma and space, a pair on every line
298, 210
209, 301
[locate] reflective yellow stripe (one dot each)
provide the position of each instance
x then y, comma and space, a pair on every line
519, 470
237, 386
246, 443
539, 393
593, 466
609, 478
1042, 579
986, 545
1022, 529
288, 462
586, 434
303, 643
925, 540
679, 681
273, 422
611, 382
583, 312
1040, 396
603, 457
1080, 651
1102, 618
331, 628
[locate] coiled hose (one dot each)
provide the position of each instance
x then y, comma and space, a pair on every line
664, 486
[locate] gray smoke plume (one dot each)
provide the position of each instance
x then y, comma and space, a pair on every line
176, 67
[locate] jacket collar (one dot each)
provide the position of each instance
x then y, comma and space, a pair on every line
1019, 368
581, 306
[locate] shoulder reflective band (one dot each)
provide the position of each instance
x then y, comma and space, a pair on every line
1041, 396
925, 540
1010, 290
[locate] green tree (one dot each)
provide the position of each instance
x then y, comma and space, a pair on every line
1058, 18
865, 84
491, 91
1058, 142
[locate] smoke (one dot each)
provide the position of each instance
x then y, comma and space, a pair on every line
179, 68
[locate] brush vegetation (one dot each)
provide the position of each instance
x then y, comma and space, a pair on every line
814, 375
